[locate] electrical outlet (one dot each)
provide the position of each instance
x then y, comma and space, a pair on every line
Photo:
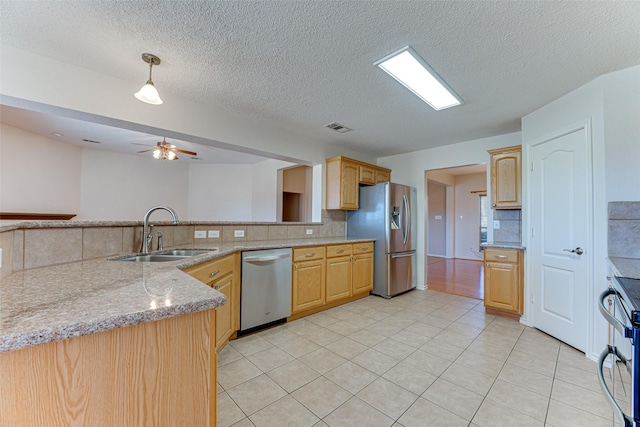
309, 231
200, 234
238, 233
438, 217
214, 234
496, 224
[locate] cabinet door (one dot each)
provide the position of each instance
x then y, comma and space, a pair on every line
501, 286
308, 285
367, 175
224, 314
506, 172
382, 176
349, 185
362, 273
338, 278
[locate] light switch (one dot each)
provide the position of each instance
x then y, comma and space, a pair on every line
496, 224
214, 234
438, 216
238, 233
200, 234
309, 231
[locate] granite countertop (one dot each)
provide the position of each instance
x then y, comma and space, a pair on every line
625, 267
53, 303
503, 245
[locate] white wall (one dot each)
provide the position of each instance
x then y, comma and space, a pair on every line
265, 194
118, 186
38, 174
437, 228
410, 169
467, 216
220, 192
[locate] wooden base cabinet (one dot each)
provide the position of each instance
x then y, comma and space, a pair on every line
223, 274
308, 278
362, 273
338, 278
503, 280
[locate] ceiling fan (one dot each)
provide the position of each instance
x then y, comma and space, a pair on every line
165, 151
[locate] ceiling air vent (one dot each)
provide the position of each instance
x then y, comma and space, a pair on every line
338, 127
91, 141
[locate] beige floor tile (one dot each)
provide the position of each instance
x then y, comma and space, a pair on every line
579, 377
355, 412
255, 394
430, 363
424, 413
527, 379
345, 329
453, 339
219, 388
298, 346
577, 359
486, 365
270, 359
245, 422
453, 398
351, 377
234, 373
384, 328
563, 415
321, 396
293, 375
581, 398
227, 355
497, 339
442, 349
411, 339
322, 360
491, 414
411, 378
228, 412
528, 361
469, 378
250, 344
322, 336
543, 350
375, 361
322, 319
284, 412
321, 424
278, 335
525, 401
394, 348
375, 314
346, 347
367, 337
387, 397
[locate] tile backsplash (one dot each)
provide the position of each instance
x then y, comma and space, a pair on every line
38, 247
510, 230
624, 229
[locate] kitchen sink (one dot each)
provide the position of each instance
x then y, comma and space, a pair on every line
165, 256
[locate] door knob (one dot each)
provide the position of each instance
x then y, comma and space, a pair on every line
578, 251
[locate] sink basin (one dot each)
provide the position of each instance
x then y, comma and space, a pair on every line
184, 252
152, 258
165, 256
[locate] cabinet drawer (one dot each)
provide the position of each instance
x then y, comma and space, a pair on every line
338, 250
213, 270
306, 254
501, 255
362, 248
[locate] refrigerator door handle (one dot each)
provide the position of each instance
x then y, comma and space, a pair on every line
406, 218
403, 255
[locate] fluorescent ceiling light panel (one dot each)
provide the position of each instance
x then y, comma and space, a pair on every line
407, 67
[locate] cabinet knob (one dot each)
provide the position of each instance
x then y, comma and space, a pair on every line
487, 264
494, 205
213, 273
355, 258
296, 266
340, 251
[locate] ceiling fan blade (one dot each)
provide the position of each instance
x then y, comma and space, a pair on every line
139, 143
144, 151
191, 153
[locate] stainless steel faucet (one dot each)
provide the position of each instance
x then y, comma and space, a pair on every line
160, 244
147, 235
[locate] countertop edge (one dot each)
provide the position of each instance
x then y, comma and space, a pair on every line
503, 245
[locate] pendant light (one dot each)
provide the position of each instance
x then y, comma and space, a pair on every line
148, 92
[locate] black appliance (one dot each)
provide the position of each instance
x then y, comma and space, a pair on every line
620, 305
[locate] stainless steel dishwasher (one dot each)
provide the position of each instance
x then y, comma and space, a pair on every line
266, 288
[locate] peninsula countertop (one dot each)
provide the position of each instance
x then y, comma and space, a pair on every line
63, 301
503, 245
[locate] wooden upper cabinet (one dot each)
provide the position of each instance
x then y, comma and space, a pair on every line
506, 178
344, 177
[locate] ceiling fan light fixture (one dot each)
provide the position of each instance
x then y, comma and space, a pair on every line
148, 93
413, 72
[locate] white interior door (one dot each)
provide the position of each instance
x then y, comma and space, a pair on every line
560, 235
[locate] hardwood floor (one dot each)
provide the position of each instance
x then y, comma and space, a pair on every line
456, 276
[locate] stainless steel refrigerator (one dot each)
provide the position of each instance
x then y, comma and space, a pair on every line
388, 213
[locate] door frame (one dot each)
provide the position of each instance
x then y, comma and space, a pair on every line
527, 151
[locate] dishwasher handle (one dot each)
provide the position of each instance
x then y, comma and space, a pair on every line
266, 258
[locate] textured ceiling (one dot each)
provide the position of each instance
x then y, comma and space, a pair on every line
302, 64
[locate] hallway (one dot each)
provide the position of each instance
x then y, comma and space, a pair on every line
456, 276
